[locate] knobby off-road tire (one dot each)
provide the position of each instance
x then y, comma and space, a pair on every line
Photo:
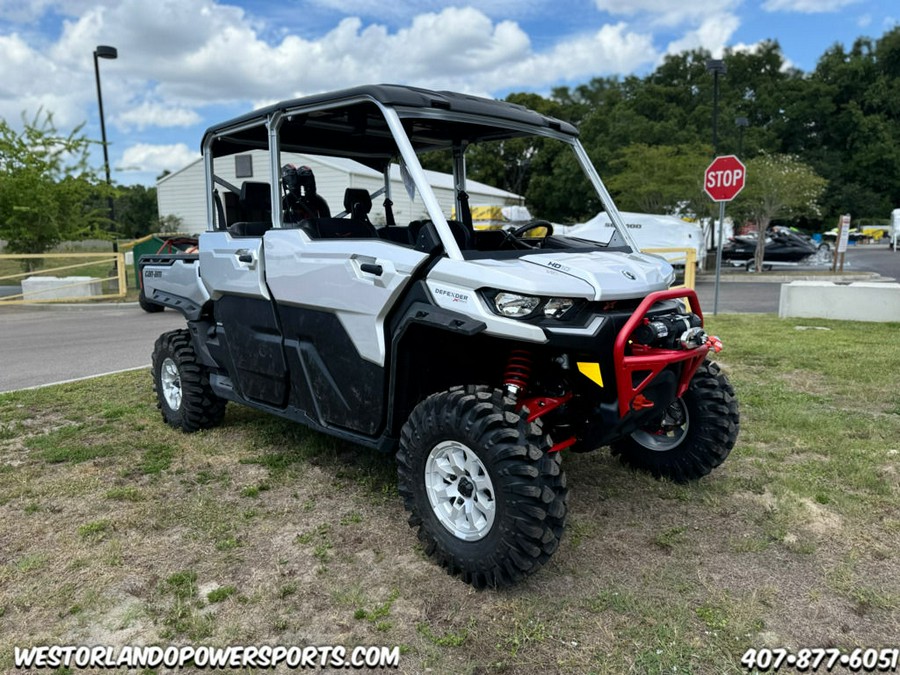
696, 435
487, 498
181, 382
147, 305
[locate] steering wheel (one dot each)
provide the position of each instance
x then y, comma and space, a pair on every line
533, 225
516, 234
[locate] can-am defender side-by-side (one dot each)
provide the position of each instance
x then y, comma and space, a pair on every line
479, 357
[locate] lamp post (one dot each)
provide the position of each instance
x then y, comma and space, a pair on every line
716, 67
104, 52
741, 123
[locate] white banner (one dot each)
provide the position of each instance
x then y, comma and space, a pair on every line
844, 234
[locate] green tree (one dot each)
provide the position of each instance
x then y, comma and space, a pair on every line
46, 186
136, 211
846, 126
777, 186
660, 179
169, 224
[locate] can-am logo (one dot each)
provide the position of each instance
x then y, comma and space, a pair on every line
629, 275
453, 295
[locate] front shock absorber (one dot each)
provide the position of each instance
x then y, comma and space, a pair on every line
518, 372
517, 378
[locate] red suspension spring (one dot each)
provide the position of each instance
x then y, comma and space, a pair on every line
518, 370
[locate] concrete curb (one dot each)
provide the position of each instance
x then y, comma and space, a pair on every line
76, 379
783, 278
75, 306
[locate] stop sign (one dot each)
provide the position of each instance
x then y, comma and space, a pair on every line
724, 178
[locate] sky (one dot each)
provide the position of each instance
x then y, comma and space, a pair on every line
184, 65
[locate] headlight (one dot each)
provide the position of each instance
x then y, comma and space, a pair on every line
519, 306
514, 305
556, 307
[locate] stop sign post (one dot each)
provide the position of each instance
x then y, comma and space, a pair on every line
723, 180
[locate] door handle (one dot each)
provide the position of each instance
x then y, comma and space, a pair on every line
372, 268
244, 256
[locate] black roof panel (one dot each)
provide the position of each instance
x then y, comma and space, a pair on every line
399, 96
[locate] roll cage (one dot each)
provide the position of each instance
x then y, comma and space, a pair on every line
374, 125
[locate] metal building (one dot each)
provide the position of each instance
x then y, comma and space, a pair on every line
182, 193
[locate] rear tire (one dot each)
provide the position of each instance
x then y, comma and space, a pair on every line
488, 499
696, 435
183, 393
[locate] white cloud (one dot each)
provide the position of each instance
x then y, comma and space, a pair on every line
754, 48
713, 34
146, 157
31, 80
155, 115
669, 12
406, 8
178, 58
611, 50
23, 11
192, 53
807, 6
707, 24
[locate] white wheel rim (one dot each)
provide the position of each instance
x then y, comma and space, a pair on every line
170, 379
460, 491
671, 431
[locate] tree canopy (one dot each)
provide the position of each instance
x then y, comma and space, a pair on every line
778, 186
651, 137
46, 186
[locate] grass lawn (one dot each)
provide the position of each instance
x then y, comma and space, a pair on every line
115, 529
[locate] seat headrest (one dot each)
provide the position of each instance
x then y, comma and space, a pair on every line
256, 196
357, 200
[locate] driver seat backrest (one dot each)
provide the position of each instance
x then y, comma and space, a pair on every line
358, 203
465, 238
256, 201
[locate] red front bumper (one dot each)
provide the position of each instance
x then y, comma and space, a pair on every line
641, 364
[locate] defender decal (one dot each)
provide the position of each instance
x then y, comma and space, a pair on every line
453, 295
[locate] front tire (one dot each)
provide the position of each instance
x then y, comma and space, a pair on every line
183, 393
695, 436
488, 499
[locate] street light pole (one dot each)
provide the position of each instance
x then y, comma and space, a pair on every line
716, 67
104, 52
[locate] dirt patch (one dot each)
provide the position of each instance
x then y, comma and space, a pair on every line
805, 381
820, 520
261, 532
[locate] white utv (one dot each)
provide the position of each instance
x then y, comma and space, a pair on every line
478, 357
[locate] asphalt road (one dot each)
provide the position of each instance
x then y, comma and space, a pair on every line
739, 297
49, 344
739, 294
44, 345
